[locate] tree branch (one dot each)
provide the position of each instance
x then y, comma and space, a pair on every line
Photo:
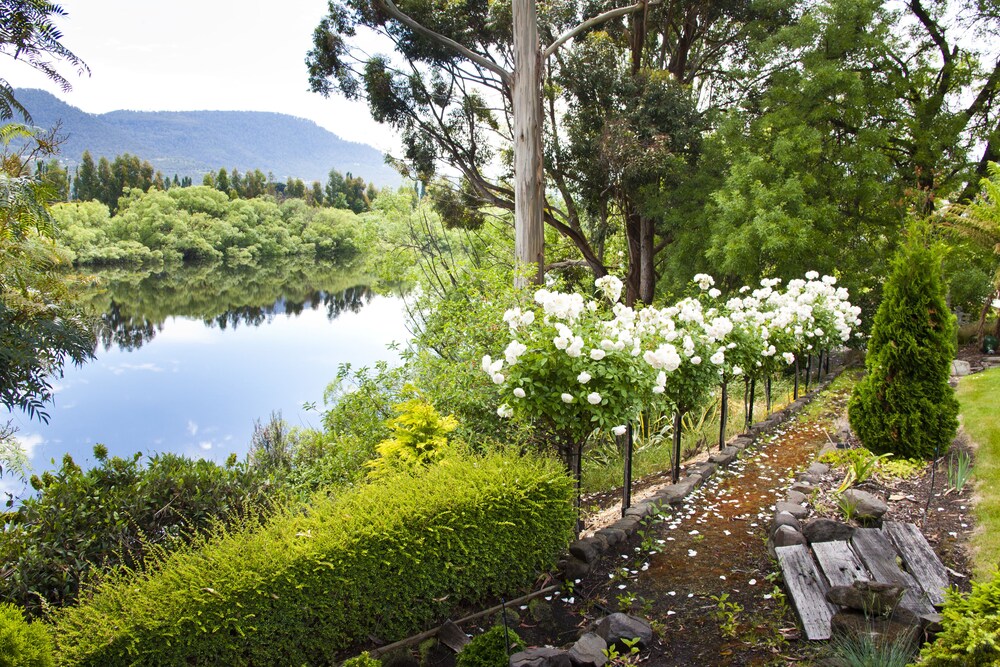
485, 63
591, 22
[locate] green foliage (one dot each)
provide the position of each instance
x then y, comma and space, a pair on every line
363, 660
384, 558
419, 439
41, 326
200, 223
490, 649
23, 644
970, 635
904, 405
117, 513
30, 35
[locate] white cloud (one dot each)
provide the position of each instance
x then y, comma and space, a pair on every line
119, 369
192, 428
205, 445
29, 442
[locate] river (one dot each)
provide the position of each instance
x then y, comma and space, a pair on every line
188, 359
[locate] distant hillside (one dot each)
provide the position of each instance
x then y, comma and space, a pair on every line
191, 143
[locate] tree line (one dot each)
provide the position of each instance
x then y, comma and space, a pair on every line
107, 180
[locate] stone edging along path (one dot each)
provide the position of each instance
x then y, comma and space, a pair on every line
585, 553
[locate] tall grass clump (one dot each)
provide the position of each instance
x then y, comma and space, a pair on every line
384, 559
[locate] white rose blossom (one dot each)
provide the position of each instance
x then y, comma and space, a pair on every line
594, 398
519, 392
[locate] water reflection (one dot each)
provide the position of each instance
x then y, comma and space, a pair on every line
131, 306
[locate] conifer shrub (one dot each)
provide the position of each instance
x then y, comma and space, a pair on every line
904, 404
23, 644
384, 559
970, 634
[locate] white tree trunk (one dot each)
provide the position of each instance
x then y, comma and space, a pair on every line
529, 239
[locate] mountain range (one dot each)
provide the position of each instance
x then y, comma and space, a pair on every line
192, 143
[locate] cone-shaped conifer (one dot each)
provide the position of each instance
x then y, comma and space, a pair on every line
904, 405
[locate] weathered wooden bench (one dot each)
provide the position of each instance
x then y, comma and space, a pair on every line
896, 553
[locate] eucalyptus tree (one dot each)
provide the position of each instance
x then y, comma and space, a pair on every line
461, 59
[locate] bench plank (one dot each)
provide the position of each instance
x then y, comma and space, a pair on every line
880, 557
919, 559
808, 590
839, 563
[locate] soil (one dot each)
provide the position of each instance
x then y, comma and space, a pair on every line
702, 574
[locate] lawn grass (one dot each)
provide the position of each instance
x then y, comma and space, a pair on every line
978, 395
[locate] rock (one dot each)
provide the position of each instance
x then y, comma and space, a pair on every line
640, 511
741, 442
786, 536
724, 457
682, 488
541, 657
612, 535
703, 470
452, 636
589, 549
589, 651
808, 477
797, 497
786, 519
629, 524
827, 530
870, 597
803, 487
796, 510
572, 567
817, 468
867, 506
618, 626
400, 658
960, 367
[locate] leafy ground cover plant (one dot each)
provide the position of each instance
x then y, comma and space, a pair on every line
490, 649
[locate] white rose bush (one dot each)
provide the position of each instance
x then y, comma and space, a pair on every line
577, 364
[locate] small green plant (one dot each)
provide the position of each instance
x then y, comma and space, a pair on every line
363, 660
848, 506
959, 470
860, 469
626, 600
727, 613
629, 657
490, 649
23, 644
419, 438
901, 468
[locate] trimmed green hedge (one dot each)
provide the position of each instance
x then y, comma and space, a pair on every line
384, 559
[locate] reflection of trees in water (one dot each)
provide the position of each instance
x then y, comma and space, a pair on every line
335, 303
128, 332
136, 307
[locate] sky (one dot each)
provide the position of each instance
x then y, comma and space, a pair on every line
194, 55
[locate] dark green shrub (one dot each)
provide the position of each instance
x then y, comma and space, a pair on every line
385, 559
970, 635
23, 644
490, 648
904, 404
83, 522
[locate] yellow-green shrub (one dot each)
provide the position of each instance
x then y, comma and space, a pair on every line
23, 644
384, 559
